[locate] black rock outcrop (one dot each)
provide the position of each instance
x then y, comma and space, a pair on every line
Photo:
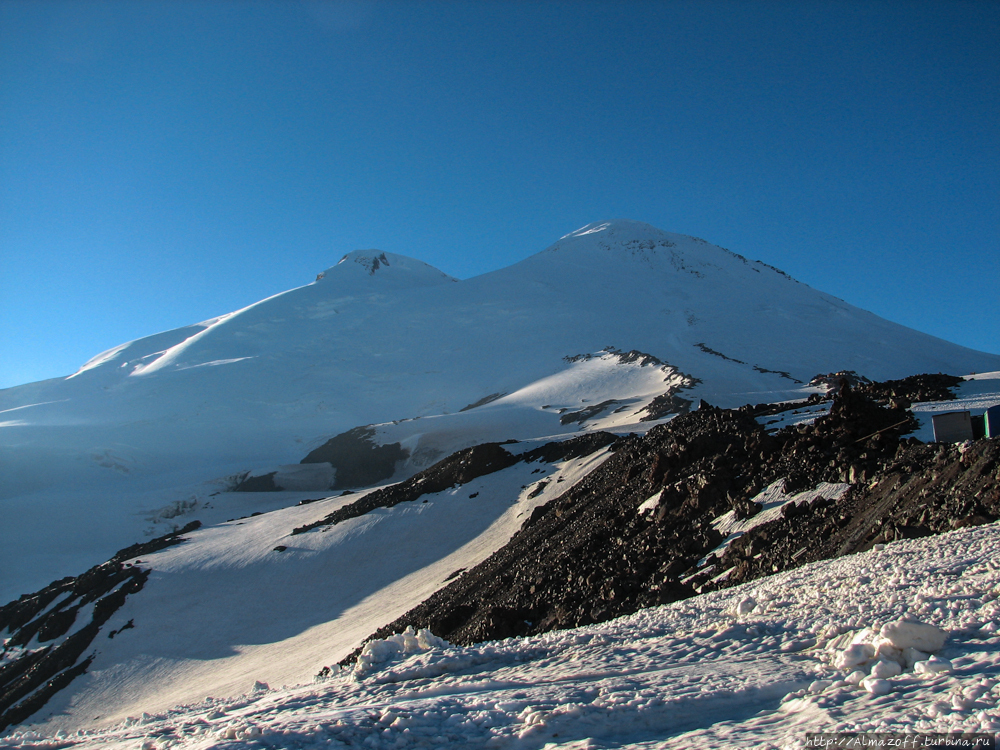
358, 459
32, 675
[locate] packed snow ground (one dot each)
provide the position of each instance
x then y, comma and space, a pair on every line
757, 666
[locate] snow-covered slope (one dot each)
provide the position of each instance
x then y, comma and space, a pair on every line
142, 435
758, 666
613, 327
228, 607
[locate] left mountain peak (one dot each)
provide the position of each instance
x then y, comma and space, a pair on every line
384, 265
372, 260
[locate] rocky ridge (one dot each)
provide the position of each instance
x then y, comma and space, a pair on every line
30, 677
638, 531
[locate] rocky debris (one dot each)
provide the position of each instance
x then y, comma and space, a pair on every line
588, 412
708, 350
846, 445
127, 626
565, 450
633, 356
30, 676
637, 530
906, 391
782, 373
922, 490
483, 401
913, 389
370, 263
665, 405
833, 380
458, 469
626, 358
357, 458
776, 270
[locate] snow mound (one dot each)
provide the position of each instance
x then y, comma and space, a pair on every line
899, 645
379, 652
909, 632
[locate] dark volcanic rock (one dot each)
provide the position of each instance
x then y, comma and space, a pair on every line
928, 387
483, 401
922, 490
565, 450
588, 412
665, 405
36, 674
832, 381
460, 468
261, 483
359, 461
915, 388
709, 350
591, 555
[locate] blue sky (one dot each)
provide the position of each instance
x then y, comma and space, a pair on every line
165, 162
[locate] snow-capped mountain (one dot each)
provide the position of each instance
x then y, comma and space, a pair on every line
382, 399
586, 334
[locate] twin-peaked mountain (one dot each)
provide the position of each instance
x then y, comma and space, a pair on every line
497, 412
614, 326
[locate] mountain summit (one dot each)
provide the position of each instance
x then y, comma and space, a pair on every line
615, 326
647, 244
622, 247
397, 267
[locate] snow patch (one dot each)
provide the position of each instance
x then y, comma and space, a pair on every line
771, 500
650, 504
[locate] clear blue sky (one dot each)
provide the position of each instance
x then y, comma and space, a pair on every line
166, 162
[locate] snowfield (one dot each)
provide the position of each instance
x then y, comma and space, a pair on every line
827, 647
